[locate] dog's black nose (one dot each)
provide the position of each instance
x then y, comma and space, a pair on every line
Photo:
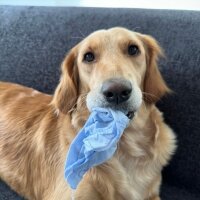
116, 90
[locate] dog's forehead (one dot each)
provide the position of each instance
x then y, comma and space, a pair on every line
112, 34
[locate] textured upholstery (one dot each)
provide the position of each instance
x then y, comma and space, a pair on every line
34, 40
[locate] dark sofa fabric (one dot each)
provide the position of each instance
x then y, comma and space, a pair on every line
34, 40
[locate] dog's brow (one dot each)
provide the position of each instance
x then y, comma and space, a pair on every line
91, 48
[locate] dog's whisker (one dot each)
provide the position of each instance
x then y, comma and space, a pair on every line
77, 37
150, 94
79, 102
81, 33
136, 28
145, 107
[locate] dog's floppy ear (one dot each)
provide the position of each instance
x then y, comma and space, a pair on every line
154, 84
66, 93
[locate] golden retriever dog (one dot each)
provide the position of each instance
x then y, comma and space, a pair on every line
114, 68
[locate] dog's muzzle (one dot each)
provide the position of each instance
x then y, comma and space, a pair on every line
116, 90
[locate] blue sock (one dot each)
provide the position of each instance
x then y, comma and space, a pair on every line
95, 143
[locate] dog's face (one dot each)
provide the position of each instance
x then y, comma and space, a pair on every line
112, 64
113, 68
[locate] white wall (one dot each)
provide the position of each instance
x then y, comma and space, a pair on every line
157, 4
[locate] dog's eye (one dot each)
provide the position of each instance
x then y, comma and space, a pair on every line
133, 50
89, 57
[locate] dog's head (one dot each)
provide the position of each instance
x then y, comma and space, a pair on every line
114, 68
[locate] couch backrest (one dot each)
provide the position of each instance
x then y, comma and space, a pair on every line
34, 40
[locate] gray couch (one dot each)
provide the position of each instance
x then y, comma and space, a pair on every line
34, 40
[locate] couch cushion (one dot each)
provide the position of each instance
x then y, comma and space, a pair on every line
169, 192
7, 194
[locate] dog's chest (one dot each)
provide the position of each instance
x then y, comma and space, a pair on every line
136, 167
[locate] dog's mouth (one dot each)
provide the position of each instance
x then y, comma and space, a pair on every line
130, 114
129, 108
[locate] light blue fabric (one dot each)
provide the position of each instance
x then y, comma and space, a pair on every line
95, 143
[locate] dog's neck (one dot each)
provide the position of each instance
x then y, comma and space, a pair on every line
140, 137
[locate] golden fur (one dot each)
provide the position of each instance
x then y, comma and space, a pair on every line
36, 129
